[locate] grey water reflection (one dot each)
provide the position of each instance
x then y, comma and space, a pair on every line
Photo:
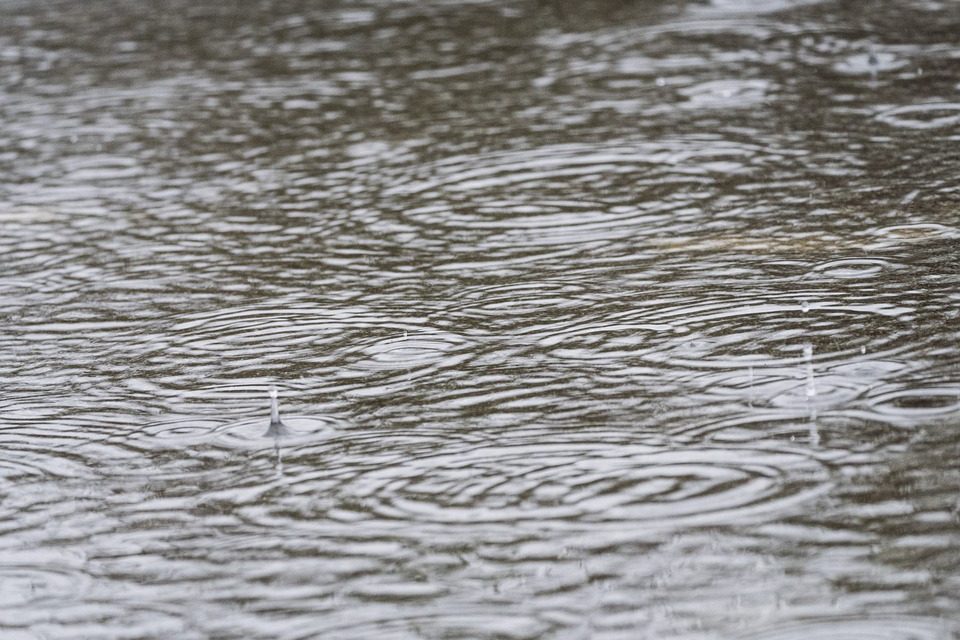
589, 320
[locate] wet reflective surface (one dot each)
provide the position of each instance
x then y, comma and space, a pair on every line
589, 320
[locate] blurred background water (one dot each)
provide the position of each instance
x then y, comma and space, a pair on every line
605, 319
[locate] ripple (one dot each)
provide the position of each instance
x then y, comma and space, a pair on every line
518, 303
98, 168
848, 438
851, 268
184, 432
910, 404
276, 326
468, 622
734, 332
321, 347
417, 351
324, 200
38, 461
933, 115
31, 576
550, 222
595, 483
302, 429
918, 232
874, 627
521, 198
106, 440
758, 8
747, 428
859, 64
726, 94
604, 340
43, 450
793, 388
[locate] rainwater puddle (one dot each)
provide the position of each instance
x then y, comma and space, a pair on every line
588, 320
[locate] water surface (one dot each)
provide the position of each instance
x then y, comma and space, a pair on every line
590, 320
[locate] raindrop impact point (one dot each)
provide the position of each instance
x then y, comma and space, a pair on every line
277, 428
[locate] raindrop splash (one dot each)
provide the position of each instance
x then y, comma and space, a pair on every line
811, 394
811, 381
277, 428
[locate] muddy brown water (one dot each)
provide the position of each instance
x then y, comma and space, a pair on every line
589, 320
